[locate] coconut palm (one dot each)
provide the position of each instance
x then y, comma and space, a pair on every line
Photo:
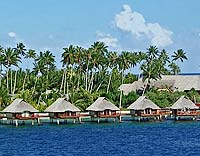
174, 68
99, 51
31, 54
68, 61
112, 63
79, 52
12, 58
21, 49
1, 62
154, 65
124, 62
179, 55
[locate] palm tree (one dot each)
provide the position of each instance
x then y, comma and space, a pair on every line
99, 51
154, 65
87, 58
79, 52
39, 69
21, 49
67, 60
112, 63
152, 52
179, 55
124, 62
11, 58
49, 62
174, 68
31, 54
1, 62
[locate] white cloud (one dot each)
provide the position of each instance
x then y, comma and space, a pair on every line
12, 34
134, 22
16, 37
107, 39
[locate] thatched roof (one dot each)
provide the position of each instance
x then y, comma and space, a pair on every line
175, 82
127, 88
62, 105
182, 103
19, 106
102, 104
143, 103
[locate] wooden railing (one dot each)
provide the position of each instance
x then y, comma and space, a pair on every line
68, 116
191, 113
114, 115
30, 117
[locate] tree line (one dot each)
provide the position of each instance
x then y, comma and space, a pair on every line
86, 73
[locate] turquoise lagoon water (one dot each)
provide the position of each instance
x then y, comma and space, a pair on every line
131, 138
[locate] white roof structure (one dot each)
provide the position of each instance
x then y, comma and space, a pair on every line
19, 106
102, 104
62, 105
184, 102
176, 82
143, 103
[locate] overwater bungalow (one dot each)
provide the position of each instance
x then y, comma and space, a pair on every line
184, 108
143, 108
103, 109
20, 110
63, 109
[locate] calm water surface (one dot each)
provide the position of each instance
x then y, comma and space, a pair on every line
146, 139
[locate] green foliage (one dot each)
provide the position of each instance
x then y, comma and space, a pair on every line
87, 74
129, 99
82, 98
4, 97
166, 99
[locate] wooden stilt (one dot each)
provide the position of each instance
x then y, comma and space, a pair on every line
79, 119
32, 122
98, 120
16, 123
38, 120
74, 120
120, 118
58, 121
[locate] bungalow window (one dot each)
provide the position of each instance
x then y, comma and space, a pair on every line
147, 111
106, 112
73, 113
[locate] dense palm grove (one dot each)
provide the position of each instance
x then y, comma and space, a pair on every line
86, 75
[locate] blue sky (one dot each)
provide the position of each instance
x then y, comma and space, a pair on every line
121, 24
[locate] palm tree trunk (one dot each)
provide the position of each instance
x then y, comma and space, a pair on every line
92, 83
86, 76
79, 76
99, 86
145, 87
120, 100
109, 82
67, 90
0, 74
47, 82
63, 76
7, 79
15, 82
65, 79
91, 80
11, 81
35, 84
23, 86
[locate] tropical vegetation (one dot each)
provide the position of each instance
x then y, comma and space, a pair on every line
86, 74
